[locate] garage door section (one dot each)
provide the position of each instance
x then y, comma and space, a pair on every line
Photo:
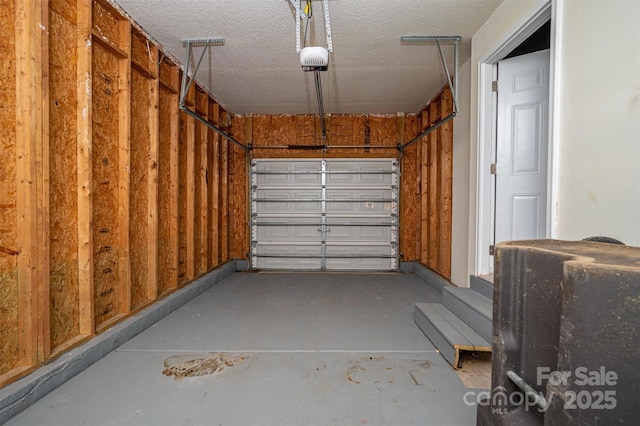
338, 214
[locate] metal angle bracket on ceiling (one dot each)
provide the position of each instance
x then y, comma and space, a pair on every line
187, 80
453, 86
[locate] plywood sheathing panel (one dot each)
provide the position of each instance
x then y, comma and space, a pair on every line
238, 219
168, 180
410, 183
105, 184
139, 195
106, 22
143, 194
9, 339
72, 218
63, 202
436, 159
365, 131
111, 105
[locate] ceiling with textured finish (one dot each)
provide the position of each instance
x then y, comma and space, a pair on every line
257, 70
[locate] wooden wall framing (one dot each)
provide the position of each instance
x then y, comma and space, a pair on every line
111, 198
436, 173
90, 169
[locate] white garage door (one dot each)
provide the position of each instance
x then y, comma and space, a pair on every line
337, 214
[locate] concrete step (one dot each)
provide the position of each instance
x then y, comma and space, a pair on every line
482, 286
448, 333
471, 307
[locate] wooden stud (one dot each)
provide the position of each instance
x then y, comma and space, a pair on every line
9, 303
201, 178
224, 194
214, 191
152, 191
84, 119
238, 218
446, 183
168, 180
433, 252
190, 197
143, 193
42, 168
28, 137
423, 157
124, 184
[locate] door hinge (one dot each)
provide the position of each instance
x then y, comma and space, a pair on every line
492, 250
494, 86
493, 168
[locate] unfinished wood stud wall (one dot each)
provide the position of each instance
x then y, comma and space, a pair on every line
110, 197
436, 164
168, 177
93, 178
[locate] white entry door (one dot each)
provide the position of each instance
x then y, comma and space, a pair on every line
521, 148
334, 214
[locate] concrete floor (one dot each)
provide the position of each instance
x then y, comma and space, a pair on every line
306, 349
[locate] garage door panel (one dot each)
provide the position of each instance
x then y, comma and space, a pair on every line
288, 233
359, 233
345, 258
288, 256
351, 226
293, 206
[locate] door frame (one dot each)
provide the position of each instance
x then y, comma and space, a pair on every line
487, 125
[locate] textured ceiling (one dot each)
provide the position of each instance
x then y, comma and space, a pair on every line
258, 71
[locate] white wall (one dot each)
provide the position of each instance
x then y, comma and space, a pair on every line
597, 118
460, 199
492, 39
595, 182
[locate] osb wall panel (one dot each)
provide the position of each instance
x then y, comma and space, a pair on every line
106, 23
63, 199
139, 195
66, 9
182, 199
239, 244
436, 163
294, 136
87, 173
167, 203
410, 193
8, 215
105, 134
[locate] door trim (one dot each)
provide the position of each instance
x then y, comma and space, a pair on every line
486, 143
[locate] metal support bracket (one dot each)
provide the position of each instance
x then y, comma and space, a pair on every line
188, 78
453, 85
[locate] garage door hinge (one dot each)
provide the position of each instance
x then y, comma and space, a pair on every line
493, 168
492, 250
494, 86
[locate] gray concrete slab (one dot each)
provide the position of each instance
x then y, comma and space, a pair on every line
319, 349
287, 311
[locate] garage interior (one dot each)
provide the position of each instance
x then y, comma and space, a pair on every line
277, 223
